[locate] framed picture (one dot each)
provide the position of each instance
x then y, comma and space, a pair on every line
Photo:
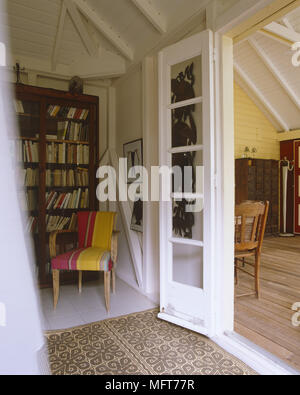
137, 217
133, 152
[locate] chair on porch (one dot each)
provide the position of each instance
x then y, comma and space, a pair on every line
250, 225
97, 251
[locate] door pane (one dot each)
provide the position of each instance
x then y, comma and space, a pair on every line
187, 126
187, 223
186, 80
188, 265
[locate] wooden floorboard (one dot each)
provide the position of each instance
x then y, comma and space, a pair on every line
268, 321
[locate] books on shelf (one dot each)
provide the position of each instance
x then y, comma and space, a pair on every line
19, 108
69, 130
78, 199
29, 177
31, 225
57, 222
67, 153
32, 200
27, 151
56, 111
67, 178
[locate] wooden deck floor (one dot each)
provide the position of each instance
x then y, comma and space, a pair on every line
268, 321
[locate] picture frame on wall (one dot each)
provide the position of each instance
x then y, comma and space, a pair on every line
137, 216
133, 152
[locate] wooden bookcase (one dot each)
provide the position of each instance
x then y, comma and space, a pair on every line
72, 164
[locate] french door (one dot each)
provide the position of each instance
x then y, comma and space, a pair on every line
186, 92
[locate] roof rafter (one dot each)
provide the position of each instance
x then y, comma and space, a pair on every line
260, 96
59, 34
287, 23
274, 70
104, 28
153, 16
282, 32
83, 33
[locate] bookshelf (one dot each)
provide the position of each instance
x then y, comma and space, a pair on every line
57, 150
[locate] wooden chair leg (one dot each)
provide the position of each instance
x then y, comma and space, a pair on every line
80, 281
257, 275
113, 274
55, 275
236, 272
107, 290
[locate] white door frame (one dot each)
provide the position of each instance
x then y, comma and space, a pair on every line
257, 358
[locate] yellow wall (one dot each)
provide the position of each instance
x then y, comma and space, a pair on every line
253, 129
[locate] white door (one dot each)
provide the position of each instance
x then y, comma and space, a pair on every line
187, 138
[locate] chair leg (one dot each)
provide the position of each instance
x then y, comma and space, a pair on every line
55, 275
107, 290
113, 273
80, 281
236, 272
257, 275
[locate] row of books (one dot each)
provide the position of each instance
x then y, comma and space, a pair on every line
67, 153
19, 108
31, 203
58, 222
67, 178
67, 112
69, 130
32, 225
26, 151
29, 177
79, 199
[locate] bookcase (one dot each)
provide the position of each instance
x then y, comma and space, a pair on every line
57, 150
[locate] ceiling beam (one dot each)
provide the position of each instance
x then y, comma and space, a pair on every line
59, 34
105, 29
79, 25
275, 72
102, 67
283, 32
287, 23
153, 16
246, 79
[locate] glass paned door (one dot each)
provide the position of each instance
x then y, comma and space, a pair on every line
186, 146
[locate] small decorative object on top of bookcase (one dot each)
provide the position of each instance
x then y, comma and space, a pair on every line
57, 153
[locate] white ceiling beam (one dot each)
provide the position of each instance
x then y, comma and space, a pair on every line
108, 66
244, 77
275, 72
287, 23
105, 65
275, 38
282, 32
59, 34
105, 29
80, 27
153, 16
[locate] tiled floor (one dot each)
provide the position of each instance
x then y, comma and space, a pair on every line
76, 309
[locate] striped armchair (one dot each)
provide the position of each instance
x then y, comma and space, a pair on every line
97, 251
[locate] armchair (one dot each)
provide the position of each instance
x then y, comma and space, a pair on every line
97, 251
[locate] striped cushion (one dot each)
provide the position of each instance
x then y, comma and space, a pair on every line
94, 236
85, 259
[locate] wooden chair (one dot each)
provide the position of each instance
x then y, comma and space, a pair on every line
250, 225
97, 251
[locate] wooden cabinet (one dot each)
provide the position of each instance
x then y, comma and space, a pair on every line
57, 148
258, 179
